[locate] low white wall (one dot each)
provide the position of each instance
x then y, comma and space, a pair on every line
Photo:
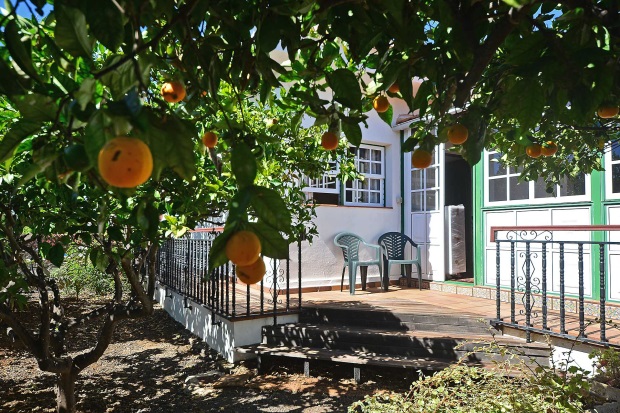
219, 333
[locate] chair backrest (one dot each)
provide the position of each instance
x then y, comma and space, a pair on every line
394, 244
350, 244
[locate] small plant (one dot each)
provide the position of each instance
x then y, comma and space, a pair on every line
607, 364
78, 275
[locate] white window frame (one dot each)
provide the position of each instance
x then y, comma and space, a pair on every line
609, 174
317, 185
355, 189
531, 200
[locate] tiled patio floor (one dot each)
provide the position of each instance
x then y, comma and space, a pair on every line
413, 301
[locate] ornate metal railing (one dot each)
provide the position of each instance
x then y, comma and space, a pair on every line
183, 267
547, 286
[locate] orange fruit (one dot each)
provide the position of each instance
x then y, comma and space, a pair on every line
394, 88
381, 104
534, 150
253, 273
329, 141
607, 112
209, 139
243, 248
457, 134
173, 92
421, 159
549, 148
125, 162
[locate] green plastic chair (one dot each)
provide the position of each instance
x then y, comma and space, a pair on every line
393, 246
350, 244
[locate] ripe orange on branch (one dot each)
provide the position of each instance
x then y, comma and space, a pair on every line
381, 104
329, 141
549, 148
421, 159
173, 92
125, 162
209, 139
606, 112
457, 134
394, 88
534, 150
253, 273
243, 248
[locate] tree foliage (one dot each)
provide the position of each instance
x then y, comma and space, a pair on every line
75, 74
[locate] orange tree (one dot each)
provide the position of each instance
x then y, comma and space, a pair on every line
74, 75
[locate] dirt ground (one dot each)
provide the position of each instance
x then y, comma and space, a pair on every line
154, 365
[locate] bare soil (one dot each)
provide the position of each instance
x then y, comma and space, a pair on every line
155, 365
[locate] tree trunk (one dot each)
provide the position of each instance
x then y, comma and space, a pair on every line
65, 393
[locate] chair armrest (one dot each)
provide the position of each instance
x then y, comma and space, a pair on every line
375, 247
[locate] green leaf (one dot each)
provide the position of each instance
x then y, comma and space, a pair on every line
271, 208
84, 95
36, 108
19, 131
10, 81
121, 79
352, 131
71, 33
106, 22
217, 254
525, 101
409, 144
115, 234
19, 52
56, 255
96, 135
273, 243
387, 116
171, 141
243, 165
346, 88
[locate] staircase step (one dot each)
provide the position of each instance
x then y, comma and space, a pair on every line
394, 321
398, 343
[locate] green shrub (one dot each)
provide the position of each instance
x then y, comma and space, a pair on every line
509, 387
77, 275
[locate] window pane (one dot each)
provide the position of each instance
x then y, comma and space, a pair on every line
497, 190
375, 197
431, 200
349, 184
376, 156
416, 201
513, 170
362, 184
430, 177
615, 178
573, 186
615, 152
540, 189
518, 190
363, 167
349, 196
362, 197
363, 153
375, 184
416, 179
495, 168
376, 168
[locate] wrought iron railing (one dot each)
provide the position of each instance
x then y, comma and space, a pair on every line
183, 267
537, 291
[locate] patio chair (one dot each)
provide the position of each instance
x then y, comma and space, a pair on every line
393, 246
350, 244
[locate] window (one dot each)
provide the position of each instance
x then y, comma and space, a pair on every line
369, 191
369, 162
504, 186
612, 171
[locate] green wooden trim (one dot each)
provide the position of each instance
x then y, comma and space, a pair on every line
597, 216
402, 182
456, 282
478, 223
535, 206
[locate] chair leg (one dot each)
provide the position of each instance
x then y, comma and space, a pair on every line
381, 278
417, 264
408, 274
386, 275
342, 280
352, 275
363, 274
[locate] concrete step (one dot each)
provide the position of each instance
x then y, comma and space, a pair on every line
399, 322
426, 344
269, 354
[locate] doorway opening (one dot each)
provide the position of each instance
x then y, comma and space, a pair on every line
458, 191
